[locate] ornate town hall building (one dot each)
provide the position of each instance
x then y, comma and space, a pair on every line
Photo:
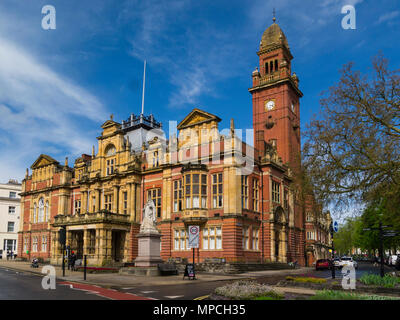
243, 198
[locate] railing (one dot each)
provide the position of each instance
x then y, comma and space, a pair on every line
141, 119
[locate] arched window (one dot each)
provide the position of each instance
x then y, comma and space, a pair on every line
266, 68
110, 150
276, 65
271, 66
34, 213
41, 210
47, 211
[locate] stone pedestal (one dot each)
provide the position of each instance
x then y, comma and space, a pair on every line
149, 250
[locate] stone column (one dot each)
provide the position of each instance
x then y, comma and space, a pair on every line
83, 202
116, 200
85, 241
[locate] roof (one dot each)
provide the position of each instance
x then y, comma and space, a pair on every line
273, 36
43, 160
196, 117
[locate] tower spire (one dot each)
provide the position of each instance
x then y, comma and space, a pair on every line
273, 15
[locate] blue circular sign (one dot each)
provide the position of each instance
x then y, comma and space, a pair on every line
335, 226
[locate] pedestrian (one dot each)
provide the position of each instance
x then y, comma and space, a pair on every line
8, 254
73, 259
11, 255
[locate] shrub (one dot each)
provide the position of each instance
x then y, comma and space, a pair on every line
306, 279
387, 281
340, 295
247, 290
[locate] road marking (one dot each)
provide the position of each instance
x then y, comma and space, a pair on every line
202, 297
103, 292
173, 297
146, 292
127, 288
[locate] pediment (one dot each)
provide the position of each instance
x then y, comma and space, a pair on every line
197, 117
43, 160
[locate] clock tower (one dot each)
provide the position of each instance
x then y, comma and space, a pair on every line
275, 94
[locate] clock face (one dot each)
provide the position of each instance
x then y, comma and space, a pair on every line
269, 105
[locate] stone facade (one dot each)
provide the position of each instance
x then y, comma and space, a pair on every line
243, 199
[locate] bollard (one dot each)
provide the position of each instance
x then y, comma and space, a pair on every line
84, 266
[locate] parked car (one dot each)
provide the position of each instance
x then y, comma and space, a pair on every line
323, 264
392, 259
348, 261
336, 262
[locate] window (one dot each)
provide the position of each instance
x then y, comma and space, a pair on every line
217, 190
26, 244
266, 68
245, 238
10, 245
271, 66
77, 206
310, 235
255, 238
286, 199
10, 226
276, 65
34, 213
44, 244
245, 192
212, 238
125, 204
155, 159
110, 151
41, 210
256, 195
181, 240
34, 244
47, 211
276, 192
11, 210
110, 166
196, 190
93, 204
13, 194
309, 217
108, 202
155, 195
177, 195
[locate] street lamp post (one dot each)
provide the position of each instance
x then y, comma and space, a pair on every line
333, 252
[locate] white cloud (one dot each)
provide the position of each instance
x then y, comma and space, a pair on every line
388, 17
39, 111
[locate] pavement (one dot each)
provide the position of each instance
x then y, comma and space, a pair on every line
117, 280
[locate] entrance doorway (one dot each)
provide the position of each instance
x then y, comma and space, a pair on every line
118, 245
77, 243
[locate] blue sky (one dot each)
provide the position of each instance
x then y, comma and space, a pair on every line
58, 86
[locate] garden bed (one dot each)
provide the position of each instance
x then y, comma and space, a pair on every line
368, 285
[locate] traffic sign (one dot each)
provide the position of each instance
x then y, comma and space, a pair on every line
335, 226
194, 232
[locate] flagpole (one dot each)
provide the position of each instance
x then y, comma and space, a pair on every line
144, 82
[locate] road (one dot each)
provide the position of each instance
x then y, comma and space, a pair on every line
24, 285
363, 268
